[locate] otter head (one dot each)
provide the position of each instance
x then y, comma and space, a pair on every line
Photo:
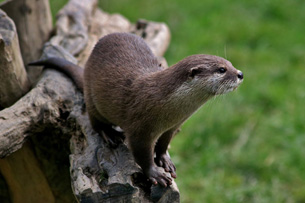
212, 74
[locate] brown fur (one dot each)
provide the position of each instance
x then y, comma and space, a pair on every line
125, 86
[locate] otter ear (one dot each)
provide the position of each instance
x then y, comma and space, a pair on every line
195, 71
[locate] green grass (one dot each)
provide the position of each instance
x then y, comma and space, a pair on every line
247, 146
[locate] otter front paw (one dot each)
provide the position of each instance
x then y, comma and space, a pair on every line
156, 177
165, 162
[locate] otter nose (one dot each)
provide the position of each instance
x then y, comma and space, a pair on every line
240, 75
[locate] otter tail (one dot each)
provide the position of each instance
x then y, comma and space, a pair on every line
73, 71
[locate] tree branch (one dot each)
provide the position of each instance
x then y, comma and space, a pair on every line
34, 25
13, 77
98, 173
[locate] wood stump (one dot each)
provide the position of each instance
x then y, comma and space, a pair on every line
71, 158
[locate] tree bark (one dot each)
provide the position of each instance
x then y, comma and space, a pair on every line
21, 167
34, 24
15, 171
54, 110
13, 77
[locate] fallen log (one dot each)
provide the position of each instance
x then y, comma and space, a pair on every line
53, 112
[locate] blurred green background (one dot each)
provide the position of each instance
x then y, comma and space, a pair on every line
249, 145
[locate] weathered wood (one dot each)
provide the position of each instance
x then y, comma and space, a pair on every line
15, 169
34, 24
156, 34
22, 166
72, 25
13, 77
98, 173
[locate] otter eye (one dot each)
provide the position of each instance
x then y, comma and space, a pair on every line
221, 70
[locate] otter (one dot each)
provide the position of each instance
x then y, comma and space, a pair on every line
124, 85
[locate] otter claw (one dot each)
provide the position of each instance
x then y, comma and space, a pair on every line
156, 176
153, 181
165, 162
112, 141
162, 181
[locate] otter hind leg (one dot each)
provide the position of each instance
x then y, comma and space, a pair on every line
107, 132
104, 128
100, 124
112, 136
